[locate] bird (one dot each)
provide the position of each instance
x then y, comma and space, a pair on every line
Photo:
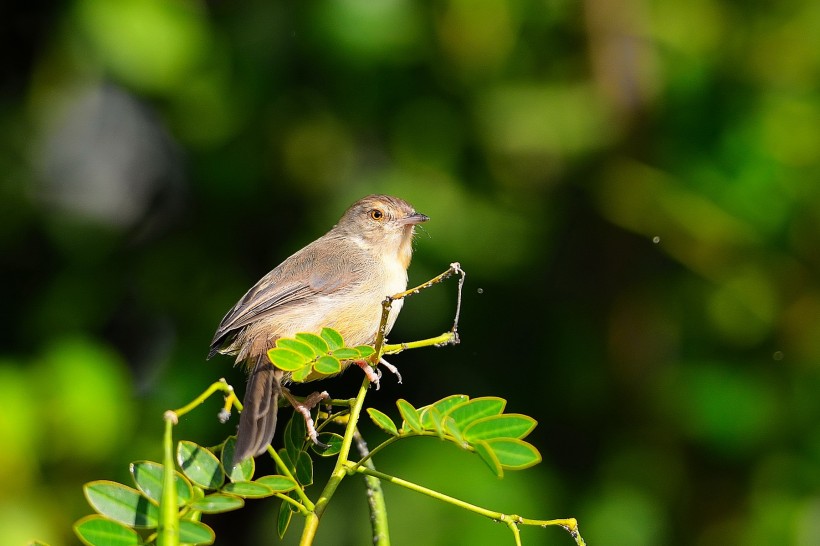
338, 281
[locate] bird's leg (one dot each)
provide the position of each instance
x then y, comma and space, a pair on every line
304, 408
368, 370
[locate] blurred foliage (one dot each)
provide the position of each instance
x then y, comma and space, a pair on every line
632, 185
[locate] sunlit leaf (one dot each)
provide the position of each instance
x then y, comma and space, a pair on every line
302, 373
452, 429
383, 421
249, 490
99, 531
435, 419
489, 457
297, 346
327, 365
195, 532
443, 406
318, 344
278, 483
287, 360
410, 415
514, 454
364, 350
345, 353
333, 338
199, 465
121, 503
147, 476
512, 425
216, 503
333, 442
467, 412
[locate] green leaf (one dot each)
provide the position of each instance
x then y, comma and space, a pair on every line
296, 346
383, 421
453, 430
295, 434
242, 472
345, 353
333, 442
199, 465
364, 350
287, 360
513, 425
316, 343
333, 338
216, 503
286, 458
304, 469
489, 457
248, 490
327, 365
99, 531
466, 413
283, 521
514, 454
443, 406
121, 503
147, 476
195, 532
301, 374
409, 414
435, 419
277, 483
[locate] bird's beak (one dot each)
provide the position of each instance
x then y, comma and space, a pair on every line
413, 219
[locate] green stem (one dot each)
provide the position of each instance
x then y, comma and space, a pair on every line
168, 532
444, 339
339, 471
375, 450
220, 385
513, 527
569, 524
307, 505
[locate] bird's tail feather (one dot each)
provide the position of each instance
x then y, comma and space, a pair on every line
257, 422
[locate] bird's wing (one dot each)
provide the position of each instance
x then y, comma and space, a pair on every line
298, 279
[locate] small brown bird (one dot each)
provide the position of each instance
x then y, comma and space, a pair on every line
338, 281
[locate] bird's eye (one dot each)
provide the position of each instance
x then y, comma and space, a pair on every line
377, 214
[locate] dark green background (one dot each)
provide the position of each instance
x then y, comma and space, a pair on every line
632, 188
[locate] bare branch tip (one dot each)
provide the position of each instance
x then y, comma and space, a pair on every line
171, 415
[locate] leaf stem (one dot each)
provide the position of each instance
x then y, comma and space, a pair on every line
511, 520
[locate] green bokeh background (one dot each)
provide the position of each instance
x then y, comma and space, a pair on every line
632, 186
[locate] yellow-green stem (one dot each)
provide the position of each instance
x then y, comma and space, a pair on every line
168, 532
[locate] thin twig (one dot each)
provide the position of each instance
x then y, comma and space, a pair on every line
569, 524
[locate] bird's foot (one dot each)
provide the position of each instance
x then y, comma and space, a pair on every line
394, 370
304, 408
